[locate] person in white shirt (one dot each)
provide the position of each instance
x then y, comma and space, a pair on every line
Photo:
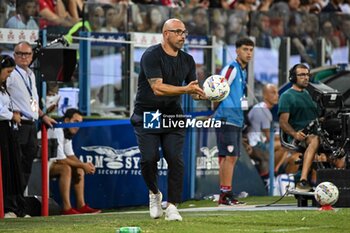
68, 168
21, 86
260, 119
25, 18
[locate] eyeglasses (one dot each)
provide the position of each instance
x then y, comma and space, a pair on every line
179, 32
304, 75
23, 54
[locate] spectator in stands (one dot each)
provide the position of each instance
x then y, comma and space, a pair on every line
260, 123
21, 85
220, 32
55, 17
281, 11
327, 32
310, 6
277, 32
304, 39
199, 24
198, 3
154, 19
12, 179
293, 5
76, 9
333, 6
173, 3
10, 8
27, 10
218, 16
121, 19
261, 29
344, 36
265, 5
96, 20
237, 26
296, 32
110, 16
222, 4
3, 18
245, 5
345, 7
68, 168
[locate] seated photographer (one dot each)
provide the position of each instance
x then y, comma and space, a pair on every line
68, 168
296, 110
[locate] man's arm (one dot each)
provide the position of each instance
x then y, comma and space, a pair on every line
162, 89
46, 119
287, 128
266, 132
73, 161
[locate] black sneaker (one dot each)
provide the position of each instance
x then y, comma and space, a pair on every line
227, 199
303, 186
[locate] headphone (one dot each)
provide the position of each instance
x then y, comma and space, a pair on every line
293, 74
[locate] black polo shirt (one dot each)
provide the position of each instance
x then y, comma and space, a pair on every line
155, 63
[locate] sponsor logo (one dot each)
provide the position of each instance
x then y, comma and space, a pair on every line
111, 161
209, 163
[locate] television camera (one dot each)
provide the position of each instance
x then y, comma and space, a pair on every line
333, 124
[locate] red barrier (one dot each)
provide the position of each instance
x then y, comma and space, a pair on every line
45, 172
1, 192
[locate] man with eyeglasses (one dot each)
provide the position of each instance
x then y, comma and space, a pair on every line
164, 69
21, 85
296, 110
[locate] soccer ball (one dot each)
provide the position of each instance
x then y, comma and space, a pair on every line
216, 88
326, 193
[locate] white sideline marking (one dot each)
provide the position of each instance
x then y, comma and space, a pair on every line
232, 208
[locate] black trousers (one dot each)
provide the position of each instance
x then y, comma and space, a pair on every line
27, 138
12, 175
171, 143
28, 142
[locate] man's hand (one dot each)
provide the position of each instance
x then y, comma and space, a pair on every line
299, 136
16, 117
48, 120
193, 88
89, 168
199, 97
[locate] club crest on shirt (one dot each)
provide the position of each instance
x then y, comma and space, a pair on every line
230, 148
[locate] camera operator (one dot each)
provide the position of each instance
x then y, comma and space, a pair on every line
296, 110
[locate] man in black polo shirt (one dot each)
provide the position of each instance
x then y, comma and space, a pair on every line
164, 68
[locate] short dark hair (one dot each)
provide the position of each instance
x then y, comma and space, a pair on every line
70, 112
6, 61
244, 41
